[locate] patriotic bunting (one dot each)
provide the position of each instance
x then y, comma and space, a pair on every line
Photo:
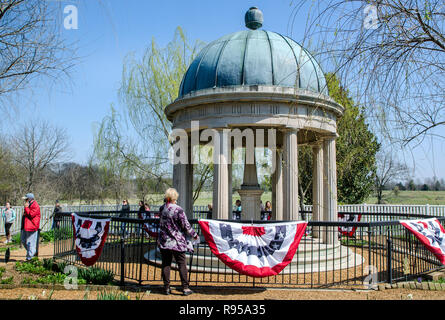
256, 250
348, 217
431, 233
89, 237
151, 228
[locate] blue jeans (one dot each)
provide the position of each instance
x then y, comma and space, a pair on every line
29, 240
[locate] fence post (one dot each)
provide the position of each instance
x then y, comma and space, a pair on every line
427, 209
389, 256
122, 260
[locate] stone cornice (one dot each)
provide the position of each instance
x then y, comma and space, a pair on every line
246, 94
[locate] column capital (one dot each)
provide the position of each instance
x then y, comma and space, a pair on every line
289, 129
328, 137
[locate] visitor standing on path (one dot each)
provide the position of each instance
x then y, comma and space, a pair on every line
174, 227
9, 218
125, 213
31, 224
57, 209
238, 209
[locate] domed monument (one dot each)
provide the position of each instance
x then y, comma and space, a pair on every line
259, 82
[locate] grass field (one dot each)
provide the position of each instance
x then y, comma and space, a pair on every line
411, 197
389, 197
403, 197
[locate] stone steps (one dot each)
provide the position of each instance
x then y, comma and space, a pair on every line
311, 256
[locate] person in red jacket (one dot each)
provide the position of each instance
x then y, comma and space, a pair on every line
30, 225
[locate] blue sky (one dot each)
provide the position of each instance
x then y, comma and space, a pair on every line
110, 29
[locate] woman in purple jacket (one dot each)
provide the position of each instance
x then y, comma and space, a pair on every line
173, 229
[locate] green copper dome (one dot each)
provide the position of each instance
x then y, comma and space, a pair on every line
253, 57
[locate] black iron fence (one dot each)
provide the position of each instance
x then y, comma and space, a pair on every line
377, 252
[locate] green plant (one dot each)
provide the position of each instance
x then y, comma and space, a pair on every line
96, 276
86, 295
16, 239
47, 236
8, 280
34, 266
104, 295
62, 233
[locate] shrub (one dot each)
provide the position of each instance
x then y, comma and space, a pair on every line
96, 276
47, 236
62, 233
51, 265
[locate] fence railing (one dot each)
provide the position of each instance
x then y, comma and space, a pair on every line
379, 251
373, 210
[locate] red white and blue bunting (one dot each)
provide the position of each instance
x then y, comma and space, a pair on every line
89, 237
151, 228
348, 217
256, 250
431, 233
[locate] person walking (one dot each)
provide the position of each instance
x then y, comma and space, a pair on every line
8, 217
31, 225
173, 229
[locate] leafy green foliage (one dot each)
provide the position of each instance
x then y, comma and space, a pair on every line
34, 266
96, 276
56, 234
90, 275
9, 280
16, 238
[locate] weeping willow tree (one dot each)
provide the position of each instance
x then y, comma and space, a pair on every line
137, 137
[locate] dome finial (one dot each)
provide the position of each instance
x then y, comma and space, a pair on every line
254, 18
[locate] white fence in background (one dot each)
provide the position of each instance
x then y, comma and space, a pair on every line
46, 211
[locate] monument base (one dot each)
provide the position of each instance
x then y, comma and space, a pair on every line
250, 202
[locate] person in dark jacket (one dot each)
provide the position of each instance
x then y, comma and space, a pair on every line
125, 213
57, 209
30, 225
173, 229
141, 215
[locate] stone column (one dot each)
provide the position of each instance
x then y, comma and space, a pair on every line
221, 178
183, 183
277, 187
290, 175
250, 191
330, 187
317, 187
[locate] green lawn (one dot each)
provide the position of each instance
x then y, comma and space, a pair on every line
411, 197
403, 197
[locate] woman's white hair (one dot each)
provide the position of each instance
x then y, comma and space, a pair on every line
171, 194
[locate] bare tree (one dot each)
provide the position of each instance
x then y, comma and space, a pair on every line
30, 45
37, 145
391, 52
389, 169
